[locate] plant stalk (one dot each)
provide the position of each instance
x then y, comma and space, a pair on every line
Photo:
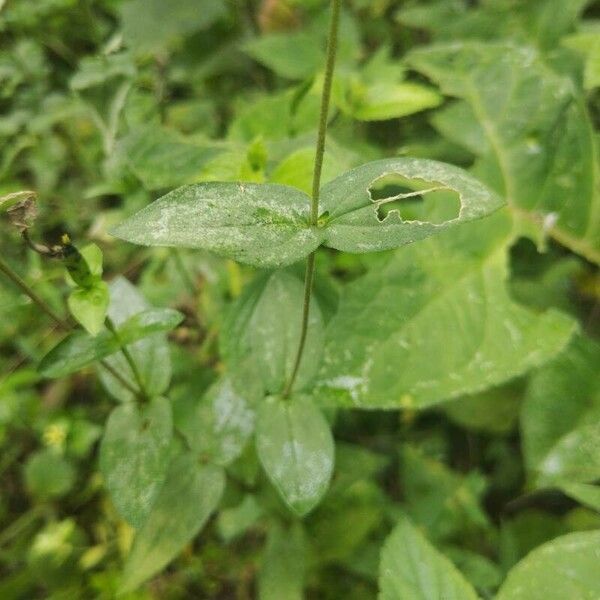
64, 325
316, 184
128, 357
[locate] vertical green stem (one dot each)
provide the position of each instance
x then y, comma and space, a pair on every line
26, 289
316, 183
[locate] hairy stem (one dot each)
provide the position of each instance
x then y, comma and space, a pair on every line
41, 303
316, 184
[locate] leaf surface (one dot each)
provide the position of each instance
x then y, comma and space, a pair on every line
264, 327
412, 569
134, 455
560, 418
566, 567
262, 225
190, 493
295, 447
79, 350
540, 150
434, 321
352, 220
150, 354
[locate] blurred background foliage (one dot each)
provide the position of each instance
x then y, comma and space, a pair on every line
105, 105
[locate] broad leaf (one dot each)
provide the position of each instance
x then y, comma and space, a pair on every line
150, 354
412, 569
540, 150
222, 422
586, 494
295, 446
190, 493
566, 567
264, 327
560, 418
434, 321
262, 225
79, 350
134, 455
152, 25
283, 565
354, 220
161, 158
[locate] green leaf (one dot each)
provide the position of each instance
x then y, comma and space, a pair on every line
151, 354
222, 422
190, 493
152, 25
134, 455
78, 350
295, 447
412, 569
262, 225
540, 153
283, 564
89, 305
434, 321
161, 158
264, 327
494, 411
586, 494
566, 567
353, 218
296, 55
564, 448
48, 474
441, 500
234, 522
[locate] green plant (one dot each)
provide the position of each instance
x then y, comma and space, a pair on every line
426, 325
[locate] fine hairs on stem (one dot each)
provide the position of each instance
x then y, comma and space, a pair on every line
316, 184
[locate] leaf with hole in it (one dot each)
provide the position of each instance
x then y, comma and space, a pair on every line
134, 455
539, 151
295, 447
356, 220
262, 225
434, 321
264, 327
79, 350
566, 567
564, 449
412, 569
189, 495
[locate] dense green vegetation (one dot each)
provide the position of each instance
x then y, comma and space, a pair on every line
375, 376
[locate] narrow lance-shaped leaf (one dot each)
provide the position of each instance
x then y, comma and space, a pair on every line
355, 221
296, 449
134, 455
78, 349
412, 569
262, 225
566, 567
190, 493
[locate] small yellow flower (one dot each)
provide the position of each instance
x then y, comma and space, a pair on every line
55, 435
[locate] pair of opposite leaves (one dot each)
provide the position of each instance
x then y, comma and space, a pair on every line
268, 225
